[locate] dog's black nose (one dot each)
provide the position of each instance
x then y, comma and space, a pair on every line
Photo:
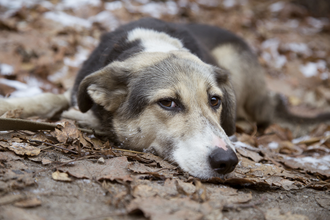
223, 161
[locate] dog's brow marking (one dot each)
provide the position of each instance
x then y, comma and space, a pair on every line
154, 41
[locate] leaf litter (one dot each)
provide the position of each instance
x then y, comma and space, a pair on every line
43, 55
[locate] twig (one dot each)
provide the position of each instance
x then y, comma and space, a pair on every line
249, 205
54, 146
130, 151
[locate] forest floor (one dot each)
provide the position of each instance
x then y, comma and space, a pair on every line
70, 174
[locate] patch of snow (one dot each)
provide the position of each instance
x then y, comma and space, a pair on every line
271, 54
312, 69
111, 6
300, 48
17, 4
59, 74
316, 23
229, 3
47, 4
6, 69
74, 4
106, 18
194, 7
273, 145
293, 23
78, 59
22, 89
322, 163
276, 7
300, 139
67, 20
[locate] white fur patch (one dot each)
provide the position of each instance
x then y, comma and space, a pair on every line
154, 41
193, 154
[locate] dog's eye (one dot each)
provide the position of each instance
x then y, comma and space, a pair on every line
167, 104
215, 101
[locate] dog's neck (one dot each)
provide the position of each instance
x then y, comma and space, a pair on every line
154, 41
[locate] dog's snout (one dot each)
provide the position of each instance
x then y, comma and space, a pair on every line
223, 161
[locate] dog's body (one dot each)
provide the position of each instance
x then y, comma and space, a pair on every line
172, 89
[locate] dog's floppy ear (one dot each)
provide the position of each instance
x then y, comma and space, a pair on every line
228, 113
106, 87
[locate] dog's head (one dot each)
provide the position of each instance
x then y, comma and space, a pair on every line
172, 104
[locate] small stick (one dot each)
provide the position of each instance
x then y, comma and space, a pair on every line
249, 205
54, 146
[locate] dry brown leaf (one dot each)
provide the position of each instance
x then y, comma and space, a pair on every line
275, 214
10, 212
21, 148
113, 169
57, 175
156, 172
45, 161
323, 201
228, 195
28, 203
11, 198
310, 164
67, 133
174, 209
163, 163
8, 156
249, 154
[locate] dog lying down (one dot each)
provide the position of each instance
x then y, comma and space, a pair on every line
171, 89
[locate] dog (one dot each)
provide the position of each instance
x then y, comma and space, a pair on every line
175, 90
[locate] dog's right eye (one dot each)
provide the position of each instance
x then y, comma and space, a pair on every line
168, 104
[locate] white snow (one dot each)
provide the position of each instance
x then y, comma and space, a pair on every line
299, 48
322, 163
106, 18
300, 139
273, 145
22, 89
74, 4
276, 7
271, 54
311, 68
6, 69
78, 59
17, 4
229, 3
111, 6
67, 20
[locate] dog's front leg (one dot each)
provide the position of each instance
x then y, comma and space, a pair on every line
45, 105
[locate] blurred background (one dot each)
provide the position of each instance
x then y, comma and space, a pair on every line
43, 43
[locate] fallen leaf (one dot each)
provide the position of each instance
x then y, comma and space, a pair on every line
21, 148
174, 209
68, 132
249, 154
28, 203
10, 212
61, 176
323, 201
11, 198
45, 161
156, 172
112, 169
275, 214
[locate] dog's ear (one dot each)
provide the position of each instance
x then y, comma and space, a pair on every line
106, 87
228, 113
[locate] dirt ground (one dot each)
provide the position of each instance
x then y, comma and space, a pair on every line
61, 172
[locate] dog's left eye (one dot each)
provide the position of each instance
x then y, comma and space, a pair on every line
215, 101
167, 104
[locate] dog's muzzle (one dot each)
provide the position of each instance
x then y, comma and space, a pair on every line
223, 161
